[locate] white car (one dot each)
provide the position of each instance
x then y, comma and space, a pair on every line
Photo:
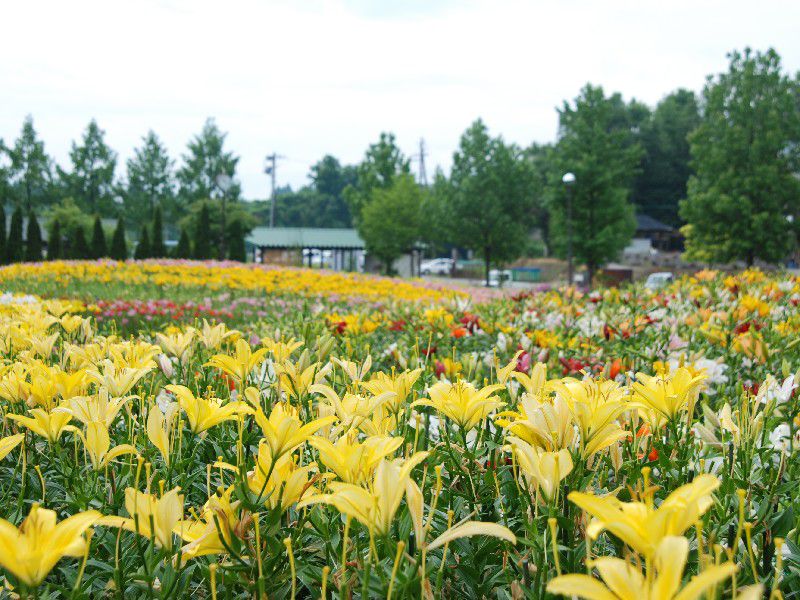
437, 266
658, 280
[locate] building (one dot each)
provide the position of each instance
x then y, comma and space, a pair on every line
662, 237
337, 249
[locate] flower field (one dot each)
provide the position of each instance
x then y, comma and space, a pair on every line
175, 429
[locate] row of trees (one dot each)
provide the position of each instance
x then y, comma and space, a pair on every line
727, 167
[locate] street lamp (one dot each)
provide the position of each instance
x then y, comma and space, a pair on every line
224, 183
569, 180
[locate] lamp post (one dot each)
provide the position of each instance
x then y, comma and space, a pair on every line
223, 182
569, 180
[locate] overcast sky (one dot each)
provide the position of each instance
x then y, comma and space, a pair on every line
306, 78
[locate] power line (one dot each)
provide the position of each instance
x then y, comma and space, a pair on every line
269, 168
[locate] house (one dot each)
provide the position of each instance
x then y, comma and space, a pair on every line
662, 237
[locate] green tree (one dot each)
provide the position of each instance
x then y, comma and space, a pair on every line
15, 248
119, 247
98, 248
151, 182
33, 240
202, 239
31, 169
54, 241
204, 221
69, 215
184, 247
203, 165
2, 234
91, 180
157, 247
490, 200
382, 163
390, 222
142, 250
79, 249
665, 168
745, 193
236, 247
600, 148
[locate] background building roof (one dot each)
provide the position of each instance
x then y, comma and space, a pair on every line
306, 237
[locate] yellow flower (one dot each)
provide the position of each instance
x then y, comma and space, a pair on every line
98, 445
354, 411
642, 526
296, 380
8, 443
668, 396
462, 403
545, 469
213, 336
238, 366
118, 380
542, 423
177, 344
217, 521
204, 413
160, 426
623, 580
281, 351
398, 383
376, 505
354, 461
31, 552
287, 484
49, 425
100, 407
284, 431
151, 517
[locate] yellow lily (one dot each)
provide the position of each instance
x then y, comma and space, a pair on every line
151, 517
287, 484
49, 425
375, 506
642, 526
623, 580
354, 411
240, 365
669, 395
117, 380
296, 381
355, 372
160, 426
534, 384
178, 343
284, 431
353, 461
281, 351
72, 384
98, 445
543, 423
100, 407
218, 521
14, 385
462, 403
30, 552
204, 413
398, 383
503, 373
8, 443
544, 469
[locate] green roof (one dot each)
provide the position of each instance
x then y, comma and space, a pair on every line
305, 237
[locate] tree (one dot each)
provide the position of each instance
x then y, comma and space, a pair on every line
31, 169
665, 166
600, 148
79, 249
184, 247
157, 247
382, 163
202, 239
15, 245
743, 202
54, 242
142, 250
119, 247
390, 223
33, 240
151, 181
489, 200
99, 248
70, 216
91, 180
2, 234
236, 248
203, 165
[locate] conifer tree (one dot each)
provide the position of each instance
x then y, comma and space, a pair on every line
202, 242
14, 245
79, 249
2, 234
143, 246
99, 247
236, 249
157, 248
33, 243
119, 247
54, 249
184, 248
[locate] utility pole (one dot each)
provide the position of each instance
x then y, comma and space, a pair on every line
269, 169
423, 177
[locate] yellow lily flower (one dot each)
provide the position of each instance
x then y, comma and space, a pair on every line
14, 385
642, 526
30, 552
72, 384
543, 423
296, 381
49, 425
534, 384
239, 366
398, 383
98, 445
503, 373
287, 484
669, 395
544, 469
100, 407
178, 343
204, 413
281, 351
213, 336
117, 380
151, 517
159, 428
375, 506
355, 372
284, 431
43, 390
354, 411
462, 403
218, 521
353, 461
8, 443
134, 354
623, 580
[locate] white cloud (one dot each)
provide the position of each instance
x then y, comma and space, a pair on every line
328, 76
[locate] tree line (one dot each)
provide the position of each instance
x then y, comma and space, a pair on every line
722, 166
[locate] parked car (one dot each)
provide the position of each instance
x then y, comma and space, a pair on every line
498, 278
658, 280
437, 266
